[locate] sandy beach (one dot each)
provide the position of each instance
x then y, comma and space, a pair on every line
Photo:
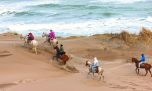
22, 70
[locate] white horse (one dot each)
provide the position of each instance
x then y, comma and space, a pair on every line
33, 43
99, 72
53, 42
46, 36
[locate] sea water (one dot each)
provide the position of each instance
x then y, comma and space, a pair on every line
75, 17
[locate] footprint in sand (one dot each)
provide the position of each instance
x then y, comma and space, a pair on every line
5, 53
24, 81
3, 87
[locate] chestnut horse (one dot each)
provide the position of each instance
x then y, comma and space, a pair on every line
145, 66
63, 58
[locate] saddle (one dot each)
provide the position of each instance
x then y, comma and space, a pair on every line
141, 65
96, 69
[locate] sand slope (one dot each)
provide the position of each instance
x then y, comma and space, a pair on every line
22, 70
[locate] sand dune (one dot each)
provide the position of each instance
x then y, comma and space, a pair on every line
22, 70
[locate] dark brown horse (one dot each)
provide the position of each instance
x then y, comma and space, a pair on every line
145, 66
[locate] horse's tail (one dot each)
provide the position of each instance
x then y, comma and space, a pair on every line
70, 57
150, 66
101, 70
101, 73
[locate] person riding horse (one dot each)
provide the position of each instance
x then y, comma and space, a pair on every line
95, 68
95, 65
142, 60
59, 51
30, 37
52, 35
62, 50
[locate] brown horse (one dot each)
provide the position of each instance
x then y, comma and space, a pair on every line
63, 58
145, 66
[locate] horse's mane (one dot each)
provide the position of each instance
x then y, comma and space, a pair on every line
135, 59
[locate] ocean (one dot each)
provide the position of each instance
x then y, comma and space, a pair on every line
75, 17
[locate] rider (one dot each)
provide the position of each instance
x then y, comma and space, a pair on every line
52, 35
30, 37
62, 50
95, 64
142, 59
57, 52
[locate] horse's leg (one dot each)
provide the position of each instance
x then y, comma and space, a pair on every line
53, 57
24, 43
136, 71
146, 72
57, 59
93, 74
99, 75
88, 74
35, 50
64, 62
103, 77
150, 72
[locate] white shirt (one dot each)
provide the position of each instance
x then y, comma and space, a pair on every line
95, 62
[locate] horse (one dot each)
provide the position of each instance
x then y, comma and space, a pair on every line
46, 36
33, 43
99, 71
63, 58
53, 42
145, 66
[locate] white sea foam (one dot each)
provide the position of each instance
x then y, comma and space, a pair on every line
149, 18
112, 25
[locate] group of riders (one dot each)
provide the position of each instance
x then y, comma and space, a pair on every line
95, 65
60, 51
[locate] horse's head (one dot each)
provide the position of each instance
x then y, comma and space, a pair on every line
23, 37
43, 34
88, 63
134, 60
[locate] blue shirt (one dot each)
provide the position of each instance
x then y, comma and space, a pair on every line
142, 58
